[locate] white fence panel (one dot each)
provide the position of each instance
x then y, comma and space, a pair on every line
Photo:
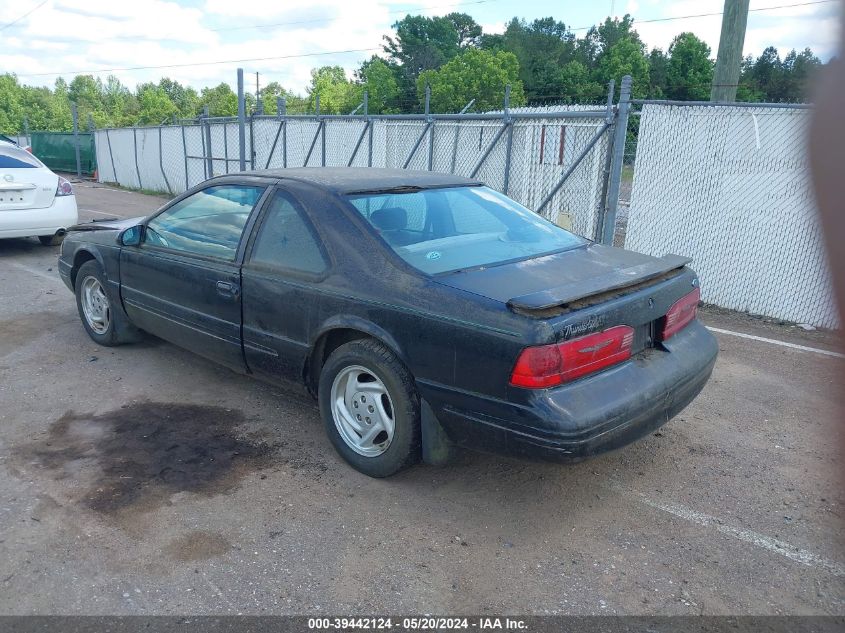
175, 158
730, 187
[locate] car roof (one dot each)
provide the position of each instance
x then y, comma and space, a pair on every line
346, 180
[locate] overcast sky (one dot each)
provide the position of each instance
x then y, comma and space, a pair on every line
69, 36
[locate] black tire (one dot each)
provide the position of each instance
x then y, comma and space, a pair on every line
50, 240
404, 449
118, 327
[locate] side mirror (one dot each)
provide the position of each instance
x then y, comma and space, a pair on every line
131, 236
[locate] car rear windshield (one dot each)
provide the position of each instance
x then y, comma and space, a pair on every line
12, 157
441, 230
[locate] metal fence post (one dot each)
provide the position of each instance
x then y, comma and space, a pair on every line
281, 110
241, 121
206, 136
430, 128
370, 143
252, 141
620, 130
185, 155
75, 115
611, 88
323, 144
135, 147
161, 163
26, 130
366, 103
111, 156
509, 146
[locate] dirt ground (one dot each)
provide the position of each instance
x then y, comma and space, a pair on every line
146, 480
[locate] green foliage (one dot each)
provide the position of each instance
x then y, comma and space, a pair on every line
338, 95
769, 79
221, 100
155, 106
474, 74
382, 85
689, 71
625, 57
542, 60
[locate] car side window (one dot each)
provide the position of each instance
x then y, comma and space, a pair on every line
285, 240
209, 222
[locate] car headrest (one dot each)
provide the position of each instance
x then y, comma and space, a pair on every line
389, 219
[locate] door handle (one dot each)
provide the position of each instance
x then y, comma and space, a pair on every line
228, 289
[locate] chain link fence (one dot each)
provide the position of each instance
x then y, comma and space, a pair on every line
553, 162
730, 187
725, 184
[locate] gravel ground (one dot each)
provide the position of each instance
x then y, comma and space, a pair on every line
146, 480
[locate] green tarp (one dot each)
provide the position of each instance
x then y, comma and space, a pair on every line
56, 150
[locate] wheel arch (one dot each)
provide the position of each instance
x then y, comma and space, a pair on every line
81, 256
336, 332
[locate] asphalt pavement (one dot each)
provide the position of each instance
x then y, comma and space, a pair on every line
146, 480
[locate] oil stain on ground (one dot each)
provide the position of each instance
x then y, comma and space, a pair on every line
136, 457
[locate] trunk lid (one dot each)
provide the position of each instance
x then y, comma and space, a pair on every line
564, 280
585, 290
27, 188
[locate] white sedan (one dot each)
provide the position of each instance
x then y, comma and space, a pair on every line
33, 200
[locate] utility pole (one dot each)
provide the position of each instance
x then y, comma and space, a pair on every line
729, 57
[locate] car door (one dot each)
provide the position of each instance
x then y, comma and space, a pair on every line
182, 283
285, 264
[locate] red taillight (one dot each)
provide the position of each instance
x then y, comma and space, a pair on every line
550, 365
681, 314
64, 188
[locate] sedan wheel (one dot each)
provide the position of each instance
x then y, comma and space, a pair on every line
105, 323
370, 408
95, 305
362, 411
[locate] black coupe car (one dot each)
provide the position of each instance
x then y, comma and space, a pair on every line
423, 310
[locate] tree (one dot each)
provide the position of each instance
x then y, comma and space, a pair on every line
798, 70
658, 82
184, 98
468, 30
155, 107
689, 71
380, 81
542, 49
422, 43
419, 44
11, 106
221, 100
338, 95
474, 74
625, 57
294, 104
86, 92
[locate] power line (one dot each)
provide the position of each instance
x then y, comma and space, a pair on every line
214, 63
316, 20
353, 50
708, 15
16, 20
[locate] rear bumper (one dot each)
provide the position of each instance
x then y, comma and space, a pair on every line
590, 416
47, 221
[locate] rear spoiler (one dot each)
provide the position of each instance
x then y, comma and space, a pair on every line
615, 280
